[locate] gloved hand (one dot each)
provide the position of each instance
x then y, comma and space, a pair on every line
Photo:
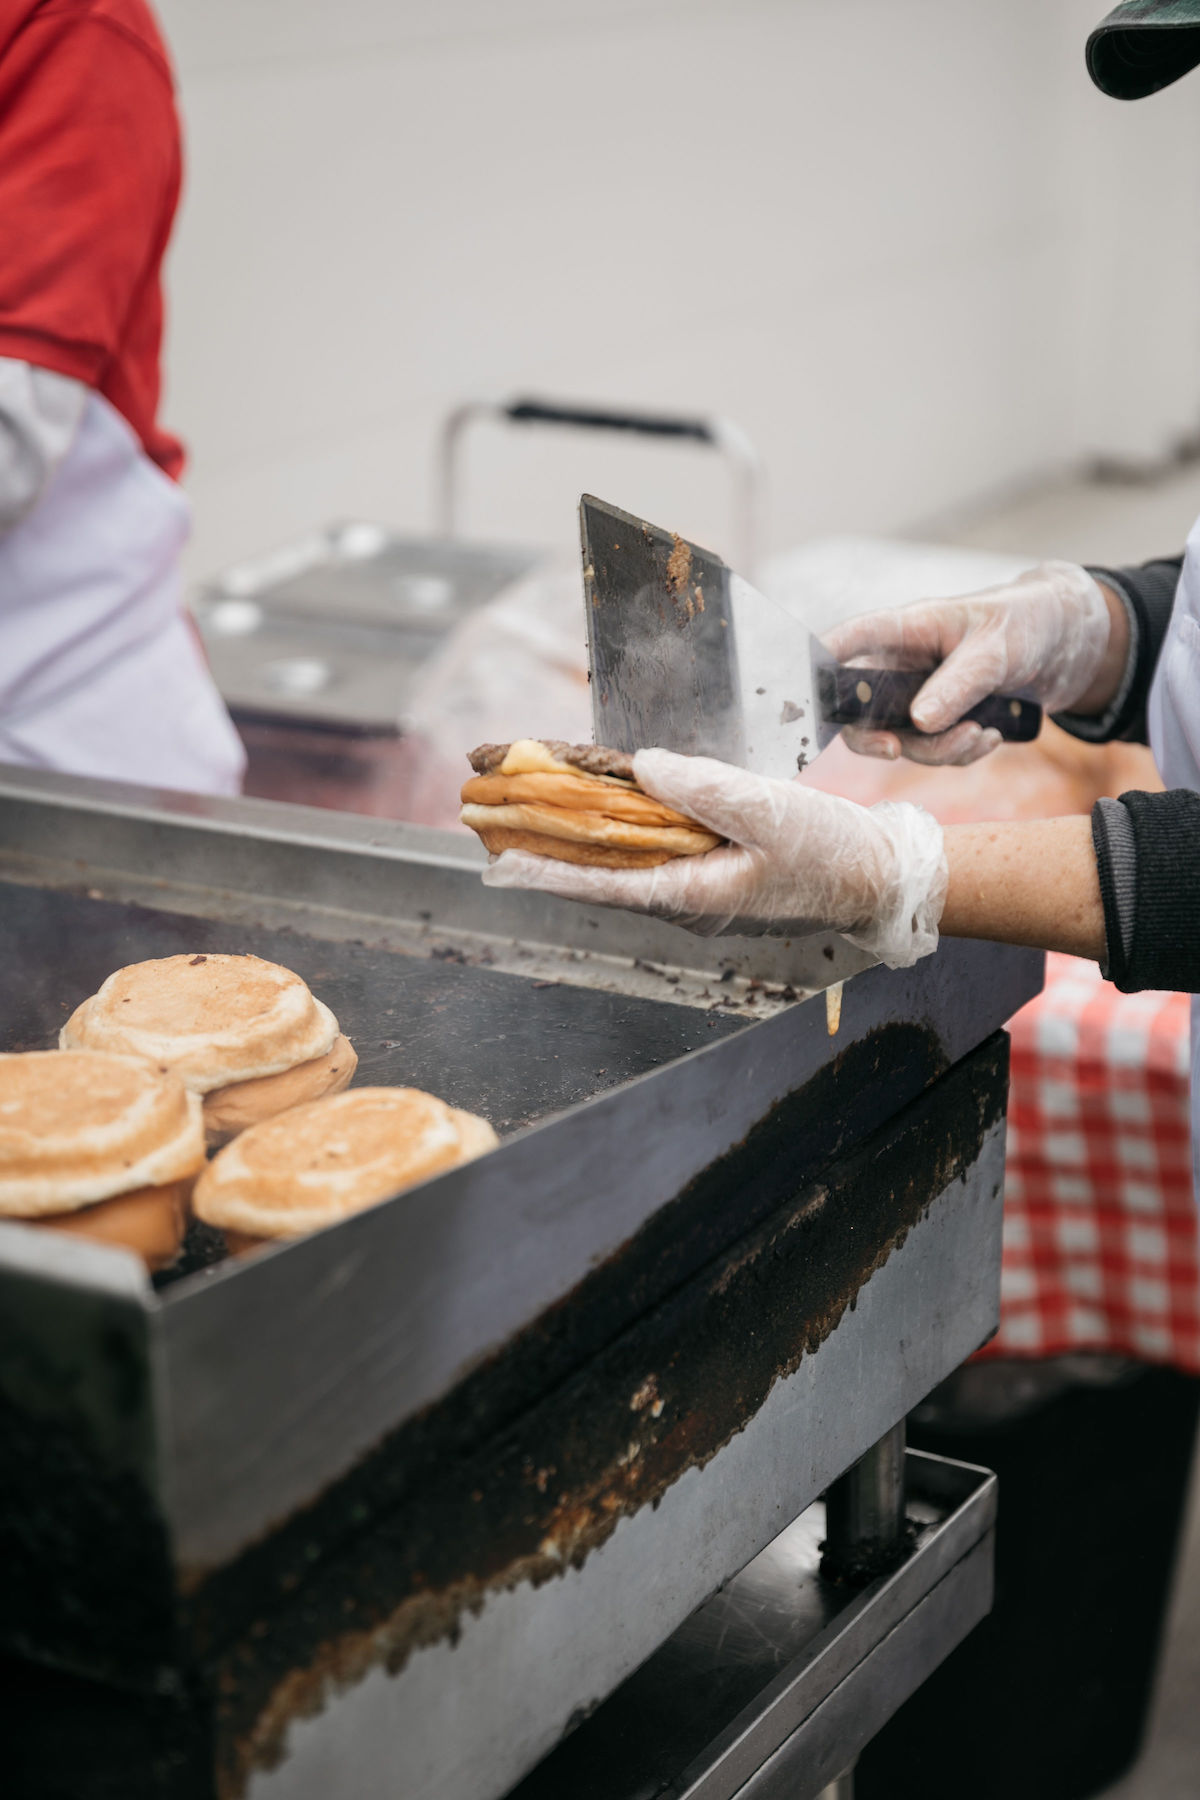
1042, 636
798, 861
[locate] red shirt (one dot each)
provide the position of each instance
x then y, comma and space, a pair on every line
90, 166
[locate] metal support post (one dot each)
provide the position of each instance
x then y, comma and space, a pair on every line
866, 1532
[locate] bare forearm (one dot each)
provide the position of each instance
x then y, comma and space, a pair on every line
1024, 882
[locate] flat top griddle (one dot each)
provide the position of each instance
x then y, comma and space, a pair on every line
510, 1047
645, 1129
530, 1412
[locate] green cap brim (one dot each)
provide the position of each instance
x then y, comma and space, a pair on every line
1143, 46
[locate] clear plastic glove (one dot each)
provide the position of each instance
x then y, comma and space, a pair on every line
798, 861
1042, 636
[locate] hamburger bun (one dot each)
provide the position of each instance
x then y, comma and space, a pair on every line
151, 1221
319, 1163
576, 802
245, 1034
103, 1146
231, 1109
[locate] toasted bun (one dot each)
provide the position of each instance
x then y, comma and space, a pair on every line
565, 825
574, 793
319, 1163
475, 1135
150, 1221
212, 1019
499, 838
529, 796
76, 1128
229, 1110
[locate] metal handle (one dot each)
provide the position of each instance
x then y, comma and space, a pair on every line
720, 434
884, 697
602, 418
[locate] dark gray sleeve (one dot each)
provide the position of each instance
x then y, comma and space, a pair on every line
1148, 593
1148, 859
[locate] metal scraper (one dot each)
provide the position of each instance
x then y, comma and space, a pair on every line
686, 655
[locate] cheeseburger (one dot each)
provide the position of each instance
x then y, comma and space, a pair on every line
577, 802
322, 1162
104, 1147
246, 1035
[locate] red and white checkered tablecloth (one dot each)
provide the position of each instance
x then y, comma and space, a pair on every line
1101, 1248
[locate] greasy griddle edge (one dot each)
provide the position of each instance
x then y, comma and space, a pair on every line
848, 1098
662, 1398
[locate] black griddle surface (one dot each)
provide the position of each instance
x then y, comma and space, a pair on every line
507, 1046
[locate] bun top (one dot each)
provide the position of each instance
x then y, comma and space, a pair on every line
211, 1019
321, 1162
76, 1128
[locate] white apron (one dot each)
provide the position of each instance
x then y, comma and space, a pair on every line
100, 670
1175, 739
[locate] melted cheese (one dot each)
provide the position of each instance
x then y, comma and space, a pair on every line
527, 757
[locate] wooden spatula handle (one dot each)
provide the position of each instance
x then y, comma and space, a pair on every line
882, 698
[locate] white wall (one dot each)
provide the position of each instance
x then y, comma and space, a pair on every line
1131, 177
888, 237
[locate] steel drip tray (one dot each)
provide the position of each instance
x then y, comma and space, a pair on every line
773, 1687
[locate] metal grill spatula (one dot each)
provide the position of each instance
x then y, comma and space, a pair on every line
685, 654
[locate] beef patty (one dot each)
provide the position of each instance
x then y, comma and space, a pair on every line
592, 759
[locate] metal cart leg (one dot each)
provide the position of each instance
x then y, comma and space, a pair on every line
865, 1527
865, 1534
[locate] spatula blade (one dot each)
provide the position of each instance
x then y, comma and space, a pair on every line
663, 651
686, 655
